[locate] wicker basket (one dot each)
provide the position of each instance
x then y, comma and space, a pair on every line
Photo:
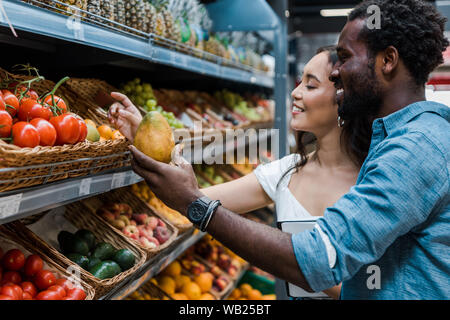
124, 195
25, 167
11, 237
77, 215
155, 292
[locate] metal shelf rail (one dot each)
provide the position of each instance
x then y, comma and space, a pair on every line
95, 31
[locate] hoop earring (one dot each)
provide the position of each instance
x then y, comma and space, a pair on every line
340, 122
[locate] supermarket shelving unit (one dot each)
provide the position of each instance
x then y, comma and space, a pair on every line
38, 23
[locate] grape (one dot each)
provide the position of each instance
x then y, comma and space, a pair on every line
137, 80
138, 89
147, 88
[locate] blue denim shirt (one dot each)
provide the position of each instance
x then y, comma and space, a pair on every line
391, 232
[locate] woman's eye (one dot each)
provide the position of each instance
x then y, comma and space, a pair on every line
310, 87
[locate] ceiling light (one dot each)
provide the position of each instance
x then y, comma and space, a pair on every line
335, 12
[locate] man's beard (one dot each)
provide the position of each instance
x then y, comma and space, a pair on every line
362, 96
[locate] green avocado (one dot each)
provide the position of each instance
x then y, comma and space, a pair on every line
104, 270
103, 251
93, 262
124, 258
87, 236
79, 259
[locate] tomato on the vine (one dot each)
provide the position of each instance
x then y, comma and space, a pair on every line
13, 260
59, 289
47, 131
5, 297
12, 277
83, 130
26, 296
29, 287
12, 290
48, 295
76, 294
6, 122
2, 102
33, 264
44, 279
59, 107
25, 134
22, 91
66, 284
11, 102
30, 109
67, 129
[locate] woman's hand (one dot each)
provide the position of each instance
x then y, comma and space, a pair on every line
124, 115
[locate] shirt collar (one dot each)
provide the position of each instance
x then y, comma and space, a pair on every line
405, 115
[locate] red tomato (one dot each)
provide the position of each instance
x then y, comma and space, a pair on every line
29, 288
30, 109
11, 101
76, 294
48, 295
12, 276
60, 106
67, 129
66, 284
12, 291
83, 130
2, 102
13, 260
33, 264
44, 279
25, 135
5, 297
6, 123
47, 132
58, 289
26, 296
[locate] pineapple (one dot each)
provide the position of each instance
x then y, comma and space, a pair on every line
172, 32
107, 9
93, 7
119, 11
150, 17
70, 6
135, 14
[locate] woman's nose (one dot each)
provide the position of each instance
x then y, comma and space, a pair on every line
296, 93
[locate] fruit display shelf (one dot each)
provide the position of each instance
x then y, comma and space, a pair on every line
28, 18
22, 203
155, 265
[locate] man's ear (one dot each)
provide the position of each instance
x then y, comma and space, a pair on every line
390, 60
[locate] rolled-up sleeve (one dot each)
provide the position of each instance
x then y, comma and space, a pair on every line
398, 189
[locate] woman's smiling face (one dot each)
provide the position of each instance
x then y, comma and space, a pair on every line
314, 100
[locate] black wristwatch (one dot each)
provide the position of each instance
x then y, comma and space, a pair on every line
201, 210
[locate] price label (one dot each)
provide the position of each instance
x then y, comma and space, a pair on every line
9, 206
118, 180
85, 187
74, 24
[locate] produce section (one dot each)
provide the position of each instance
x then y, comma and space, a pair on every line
66, 186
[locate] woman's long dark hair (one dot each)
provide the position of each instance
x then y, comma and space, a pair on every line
355, 137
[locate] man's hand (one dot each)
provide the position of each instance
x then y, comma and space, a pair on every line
124, 115
176, 185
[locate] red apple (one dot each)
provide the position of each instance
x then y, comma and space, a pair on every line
161, 234
161, 223
140, 218
131, 231
146, 243
152, 222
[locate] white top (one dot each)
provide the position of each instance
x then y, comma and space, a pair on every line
287, 206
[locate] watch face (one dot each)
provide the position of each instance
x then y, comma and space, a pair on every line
196, 212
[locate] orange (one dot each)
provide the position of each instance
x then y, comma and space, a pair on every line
167, 284
254, 294
207, 296
105, 131
235, 294
192, 290
245, 289
179, 296
180, 281
204, 281
172, 269
89, 121
269, 297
